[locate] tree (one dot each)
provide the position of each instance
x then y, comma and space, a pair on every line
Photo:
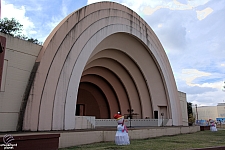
189, 108
14, 28
191, 118
33, 40
11, 27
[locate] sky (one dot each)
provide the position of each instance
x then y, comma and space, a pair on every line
192, 33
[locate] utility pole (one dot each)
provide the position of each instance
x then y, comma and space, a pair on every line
196, 112
162, 114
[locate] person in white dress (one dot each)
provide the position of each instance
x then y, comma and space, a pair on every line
213, 126
121, 137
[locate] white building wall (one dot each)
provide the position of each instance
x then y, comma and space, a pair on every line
183, 104
19, 60
205, 112
221, 111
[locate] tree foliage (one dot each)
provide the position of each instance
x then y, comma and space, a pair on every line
33, 40
11, 27
189, 108
191, 118
14, 28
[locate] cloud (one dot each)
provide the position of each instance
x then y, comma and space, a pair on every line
171, 33
172, 5
194, 77
189, 75
204, 13
54, 21
175, 5
150, 11
64, 8
202, 88
11, 11
38, 19
197, 90
206, 99
151, 6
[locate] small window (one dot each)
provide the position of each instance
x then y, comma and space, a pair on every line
80, 110
156, 115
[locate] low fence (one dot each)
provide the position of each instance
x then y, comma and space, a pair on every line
134, 122
89, 122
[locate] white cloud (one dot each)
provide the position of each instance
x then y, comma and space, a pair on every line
204, 94
11, 11
175, 5
136, 6
160, 25
189, 75
217, 85
172, 5
204, 13
150, 6
207, 99
149, 10
54, 22
195, 3
64, 8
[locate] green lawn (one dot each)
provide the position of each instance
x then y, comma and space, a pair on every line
200, 139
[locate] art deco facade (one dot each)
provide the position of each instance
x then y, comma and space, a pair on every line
101, 59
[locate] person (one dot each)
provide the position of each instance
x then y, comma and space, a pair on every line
213, 126
121, 137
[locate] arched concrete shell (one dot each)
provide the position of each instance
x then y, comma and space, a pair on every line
104, 36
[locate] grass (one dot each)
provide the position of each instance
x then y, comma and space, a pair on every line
200, 139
